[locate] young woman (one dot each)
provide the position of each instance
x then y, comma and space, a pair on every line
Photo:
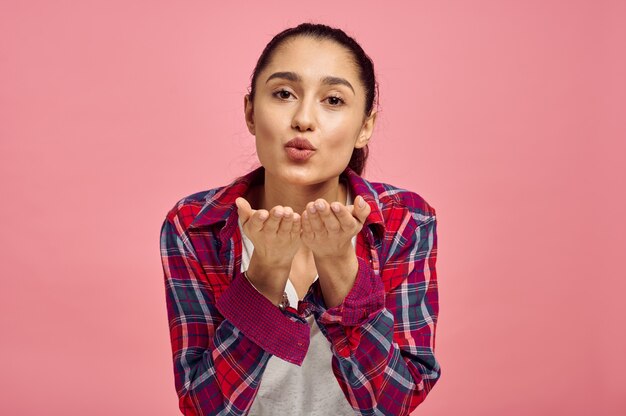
301, 288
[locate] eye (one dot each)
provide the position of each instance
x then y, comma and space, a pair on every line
281, 94
336, 101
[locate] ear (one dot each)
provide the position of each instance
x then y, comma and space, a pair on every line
366, 130
248, 111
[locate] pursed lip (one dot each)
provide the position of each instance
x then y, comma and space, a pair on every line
300, 143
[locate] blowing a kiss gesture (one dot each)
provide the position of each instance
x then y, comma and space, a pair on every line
325, 229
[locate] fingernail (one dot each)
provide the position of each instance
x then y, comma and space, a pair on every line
319, 205
263, 215
312, 209
361, 202
335, 207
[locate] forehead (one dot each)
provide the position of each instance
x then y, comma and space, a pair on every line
313, 59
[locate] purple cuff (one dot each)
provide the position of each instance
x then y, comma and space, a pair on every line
365, 299
285, 336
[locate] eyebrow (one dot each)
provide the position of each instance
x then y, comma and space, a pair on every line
327, 80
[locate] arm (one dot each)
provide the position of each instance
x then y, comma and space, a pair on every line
220, 350
383, 345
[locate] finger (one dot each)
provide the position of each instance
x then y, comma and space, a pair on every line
250, 219
363, 209
296, 225
257, 221
272, 223
307, 229
287, 221
244, 210
330, 221
344, 216
314, 218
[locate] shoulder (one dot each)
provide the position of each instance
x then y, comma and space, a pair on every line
394, 198
186, 209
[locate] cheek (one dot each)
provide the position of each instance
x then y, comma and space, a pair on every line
343, 138
264, 152
345, 126
263, 122
265, 117
264, 131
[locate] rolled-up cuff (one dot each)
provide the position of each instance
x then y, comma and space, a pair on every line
285, 336
365, 299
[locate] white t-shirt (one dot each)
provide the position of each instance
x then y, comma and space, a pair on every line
311, 389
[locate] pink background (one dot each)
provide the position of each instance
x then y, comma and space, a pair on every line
507, 116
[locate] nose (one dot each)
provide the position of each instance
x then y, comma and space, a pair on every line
304, 116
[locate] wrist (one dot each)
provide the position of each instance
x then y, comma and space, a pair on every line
337, 257
278, 298
337, 277
282, 265
269, 280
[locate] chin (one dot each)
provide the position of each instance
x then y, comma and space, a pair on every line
310, 176
307, 173
296, 175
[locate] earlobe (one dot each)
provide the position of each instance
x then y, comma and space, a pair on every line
366, 131
362, 141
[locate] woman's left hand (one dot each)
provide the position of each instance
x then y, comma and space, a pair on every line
327, 229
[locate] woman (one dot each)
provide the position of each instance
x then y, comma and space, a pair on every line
301, 288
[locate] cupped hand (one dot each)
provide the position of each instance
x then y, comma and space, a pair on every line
327, 229
275, 233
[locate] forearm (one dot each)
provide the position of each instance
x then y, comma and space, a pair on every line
387, 338
361, 333
204, 377
378, 375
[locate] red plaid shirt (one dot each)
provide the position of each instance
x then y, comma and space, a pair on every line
223, 331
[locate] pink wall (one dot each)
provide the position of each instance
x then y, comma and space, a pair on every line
507, 116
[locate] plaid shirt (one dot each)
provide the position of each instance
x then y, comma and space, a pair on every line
223, 332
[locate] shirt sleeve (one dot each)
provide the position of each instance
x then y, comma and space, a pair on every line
219, 362
383, 344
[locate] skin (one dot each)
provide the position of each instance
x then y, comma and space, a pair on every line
299, 215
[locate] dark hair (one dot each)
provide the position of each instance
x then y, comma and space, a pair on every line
361, 59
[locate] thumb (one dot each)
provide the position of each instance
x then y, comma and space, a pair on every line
244, 209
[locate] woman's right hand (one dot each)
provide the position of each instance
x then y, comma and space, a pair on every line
276, 239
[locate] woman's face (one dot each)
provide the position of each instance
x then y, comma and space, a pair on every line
311, 90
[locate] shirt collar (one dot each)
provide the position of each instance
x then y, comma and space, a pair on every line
220, 206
